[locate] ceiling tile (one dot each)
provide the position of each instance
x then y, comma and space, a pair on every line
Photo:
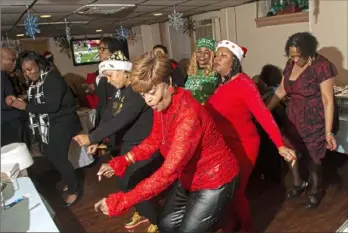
163, 2
13, 9
16, 2
55, 8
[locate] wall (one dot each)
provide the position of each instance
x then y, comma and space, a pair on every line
330, 26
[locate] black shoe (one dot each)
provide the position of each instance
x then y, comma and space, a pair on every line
314, 199
78, 195
296, 191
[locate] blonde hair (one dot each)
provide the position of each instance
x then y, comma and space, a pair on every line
150, 70
193, 67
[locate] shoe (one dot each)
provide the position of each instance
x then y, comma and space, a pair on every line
296, 191
314, 199
135, 221
68, 204
152, 229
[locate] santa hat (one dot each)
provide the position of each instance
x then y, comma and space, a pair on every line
48, 55
238, 51
117, 61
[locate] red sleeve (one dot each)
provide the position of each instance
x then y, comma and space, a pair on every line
151, 144
187, 137
256, 105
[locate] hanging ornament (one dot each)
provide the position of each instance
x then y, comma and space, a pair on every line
132, 37
67, 31
64, 45
122, 33
31, 25
15, 45
175, 20
190, 27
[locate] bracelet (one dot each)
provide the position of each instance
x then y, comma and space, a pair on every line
130, 157
330, 134
127, 159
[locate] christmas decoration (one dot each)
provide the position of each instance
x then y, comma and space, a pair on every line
132, 37
122, 33
67, 31
15, 45
64, 45
175, 20
31, 26
189, 27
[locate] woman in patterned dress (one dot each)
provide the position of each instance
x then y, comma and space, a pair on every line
202, 80
308, 80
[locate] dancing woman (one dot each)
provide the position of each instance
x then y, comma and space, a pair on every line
197, 159
202, 79
233, 106
308, 80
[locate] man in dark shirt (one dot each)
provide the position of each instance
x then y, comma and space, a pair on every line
11, 126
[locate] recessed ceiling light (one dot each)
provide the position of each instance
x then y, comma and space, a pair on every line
99, 30
45, 16
157, 14
20, 35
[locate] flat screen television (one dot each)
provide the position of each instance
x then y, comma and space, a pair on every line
85, 51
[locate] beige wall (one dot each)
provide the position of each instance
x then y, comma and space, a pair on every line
331, 29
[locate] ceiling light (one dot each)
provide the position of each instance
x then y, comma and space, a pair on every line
157, 14
45, 16
20, 35
99, 30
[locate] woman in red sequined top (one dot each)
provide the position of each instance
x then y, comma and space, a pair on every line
196, 156
233, 106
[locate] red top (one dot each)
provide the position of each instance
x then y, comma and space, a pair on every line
194, 151
233, 106
92, 98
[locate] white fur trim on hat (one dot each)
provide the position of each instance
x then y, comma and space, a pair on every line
114, 65
234, 48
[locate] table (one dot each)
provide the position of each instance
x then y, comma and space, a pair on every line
342, 134
30, 215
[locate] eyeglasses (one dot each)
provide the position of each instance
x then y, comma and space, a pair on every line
102, 48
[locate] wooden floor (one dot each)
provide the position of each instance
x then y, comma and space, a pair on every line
271, 212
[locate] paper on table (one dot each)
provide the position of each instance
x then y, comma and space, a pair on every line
9, 172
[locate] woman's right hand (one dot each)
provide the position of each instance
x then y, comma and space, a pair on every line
10, 99
105, 170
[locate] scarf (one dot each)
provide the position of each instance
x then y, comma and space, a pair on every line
39, 123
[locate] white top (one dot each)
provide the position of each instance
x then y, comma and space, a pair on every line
27, 216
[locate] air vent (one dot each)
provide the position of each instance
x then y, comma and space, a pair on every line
102, 9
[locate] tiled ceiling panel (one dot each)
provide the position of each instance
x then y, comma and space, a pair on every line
142, 13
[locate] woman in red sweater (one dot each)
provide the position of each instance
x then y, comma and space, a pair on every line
196, 156
233, 106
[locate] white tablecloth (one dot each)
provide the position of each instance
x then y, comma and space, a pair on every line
29, 215
342, 135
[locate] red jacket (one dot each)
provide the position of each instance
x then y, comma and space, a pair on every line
194, 151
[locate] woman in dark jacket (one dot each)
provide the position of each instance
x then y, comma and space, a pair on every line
52, 115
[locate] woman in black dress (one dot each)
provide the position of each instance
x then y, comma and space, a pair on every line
52, 115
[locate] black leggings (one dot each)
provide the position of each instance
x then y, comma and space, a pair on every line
56, 151
136, 173
197, 211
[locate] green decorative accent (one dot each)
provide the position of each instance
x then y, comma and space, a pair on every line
202, 87
205, 42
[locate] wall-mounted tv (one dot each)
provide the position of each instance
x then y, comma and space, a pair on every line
85, 51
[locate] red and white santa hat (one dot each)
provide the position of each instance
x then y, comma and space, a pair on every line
237, 50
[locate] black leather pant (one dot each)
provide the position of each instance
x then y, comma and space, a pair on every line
197, 211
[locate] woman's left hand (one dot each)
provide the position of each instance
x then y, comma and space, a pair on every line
101, 205
331, 142
19, 104
288, 154
82, 139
